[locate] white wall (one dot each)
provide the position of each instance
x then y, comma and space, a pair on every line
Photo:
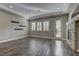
51, 33
7, 31
71, 26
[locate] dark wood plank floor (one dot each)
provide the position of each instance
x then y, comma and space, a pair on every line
35, 47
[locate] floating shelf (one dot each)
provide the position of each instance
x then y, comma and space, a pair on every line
22, 26
18, 29
14, 21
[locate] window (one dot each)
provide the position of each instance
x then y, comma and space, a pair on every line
33, 24
58, 28
39, 26
46, 26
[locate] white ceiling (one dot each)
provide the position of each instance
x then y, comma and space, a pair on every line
34, 9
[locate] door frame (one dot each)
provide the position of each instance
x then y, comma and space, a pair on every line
76, 39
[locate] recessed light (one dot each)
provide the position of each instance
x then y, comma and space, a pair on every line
11, 6
58, 8
38, 10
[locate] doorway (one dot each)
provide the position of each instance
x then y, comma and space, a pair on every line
77, 34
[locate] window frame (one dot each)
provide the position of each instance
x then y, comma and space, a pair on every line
45, 25
33, 26
39, 26
58, 28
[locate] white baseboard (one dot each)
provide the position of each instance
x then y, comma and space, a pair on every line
70, 45
46, 37
77, 50
40, 37
16, 38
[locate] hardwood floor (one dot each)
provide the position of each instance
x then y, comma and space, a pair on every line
35, 47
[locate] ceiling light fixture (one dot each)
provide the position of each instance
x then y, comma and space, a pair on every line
11, 6
39, 10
